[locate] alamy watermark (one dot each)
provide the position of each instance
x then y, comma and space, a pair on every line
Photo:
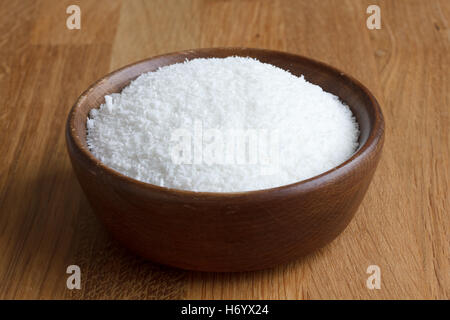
74, 20
74, 280
374, 20
374, 280
226, 146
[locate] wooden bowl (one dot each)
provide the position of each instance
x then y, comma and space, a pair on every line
228, 231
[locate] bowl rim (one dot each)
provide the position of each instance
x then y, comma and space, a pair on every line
375, 138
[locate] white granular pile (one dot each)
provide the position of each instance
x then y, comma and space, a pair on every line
222, 125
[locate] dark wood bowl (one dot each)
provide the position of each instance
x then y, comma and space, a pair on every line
229, 231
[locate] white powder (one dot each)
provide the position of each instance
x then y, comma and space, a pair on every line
295, 130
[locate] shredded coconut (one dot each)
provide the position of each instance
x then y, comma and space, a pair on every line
222, 125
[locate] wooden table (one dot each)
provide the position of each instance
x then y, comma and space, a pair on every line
46, 223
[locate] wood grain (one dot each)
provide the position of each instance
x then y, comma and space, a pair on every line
46, 223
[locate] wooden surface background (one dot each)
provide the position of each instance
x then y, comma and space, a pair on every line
46, 223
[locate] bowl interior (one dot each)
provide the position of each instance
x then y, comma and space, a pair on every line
351, 92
